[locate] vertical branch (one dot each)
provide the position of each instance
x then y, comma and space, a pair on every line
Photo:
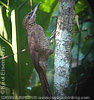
7, 2
31, 4
63, 40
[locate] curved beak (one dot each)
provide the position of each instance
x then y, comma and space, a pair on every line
35, 9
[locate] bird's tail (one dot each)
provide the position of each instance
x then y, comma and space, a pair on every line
45, 84
42, 76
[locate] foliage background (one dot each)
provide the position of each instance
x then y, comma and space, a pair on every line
21, 77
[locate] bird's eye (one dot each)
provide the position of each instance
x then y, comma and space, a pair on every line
28, 17
31, 13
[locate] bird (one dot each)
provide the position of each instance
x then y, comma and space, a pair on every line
39, 48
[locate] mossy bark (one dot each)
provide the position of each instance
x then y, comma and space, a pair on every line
63, 40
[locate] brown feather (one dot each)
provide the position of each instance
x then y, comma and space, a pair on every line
39, 49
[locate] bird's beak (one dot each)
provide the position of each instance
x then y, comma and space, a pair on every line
35, 9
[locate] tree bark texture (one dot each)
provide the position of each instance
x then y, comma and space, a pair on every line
63, 41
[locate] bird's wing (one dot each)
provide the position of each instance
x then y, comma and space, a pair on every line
33, 45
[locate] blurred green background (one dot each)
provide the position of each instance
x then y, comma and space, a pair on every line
20, 76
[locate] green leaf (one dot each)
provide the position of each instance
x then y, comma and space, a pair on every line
19, 69
36, 91
45, 12
77, 21
81, 6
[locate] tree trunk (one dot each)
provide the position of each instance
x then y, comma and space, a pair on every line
63, 41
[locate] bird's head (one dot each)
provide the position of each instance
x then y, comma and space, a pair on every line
30, 18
